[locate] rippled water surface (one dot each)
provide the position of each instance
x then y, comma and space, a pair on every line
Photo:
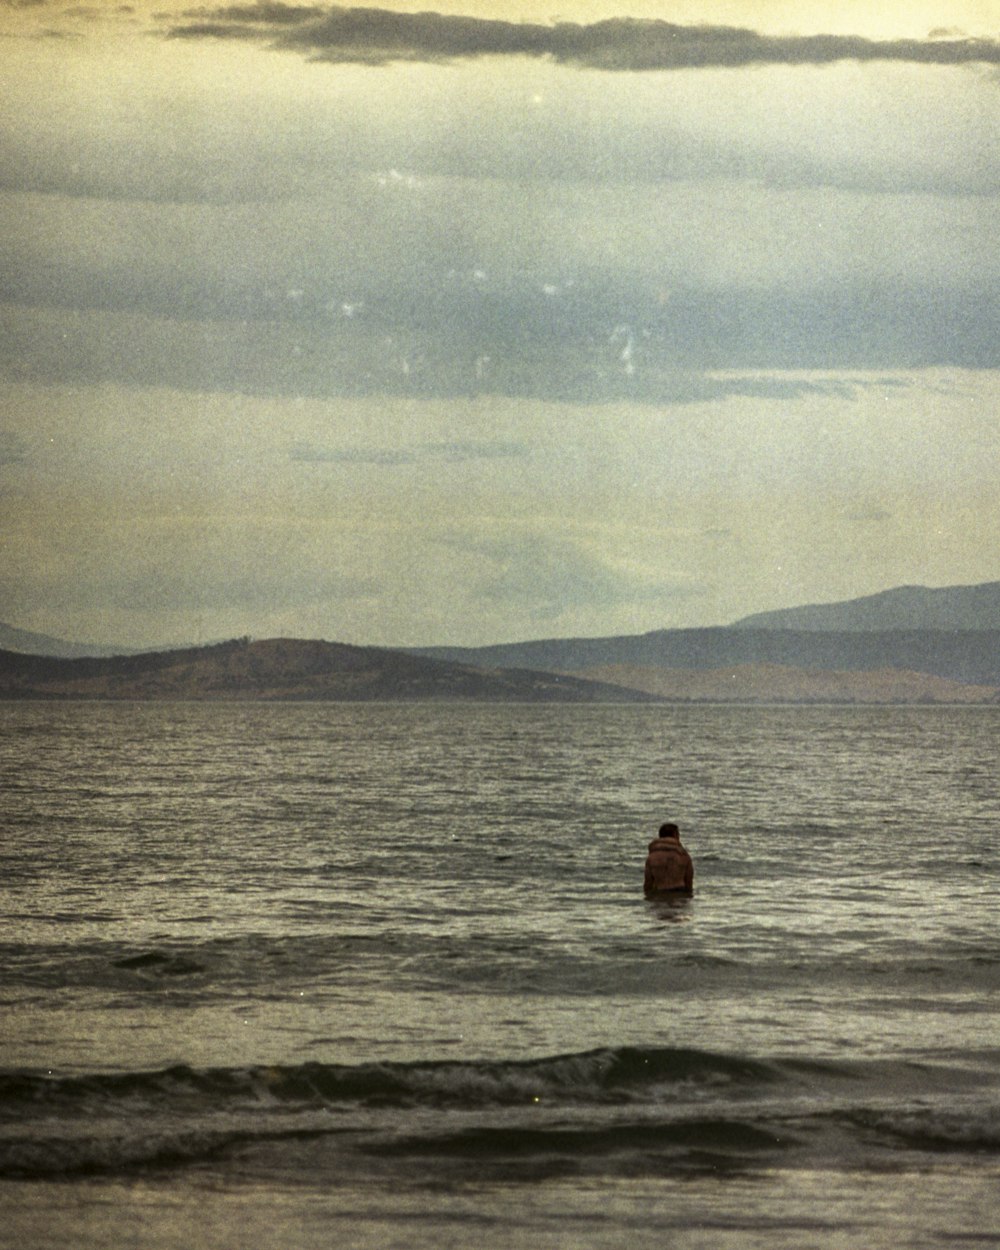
397, 958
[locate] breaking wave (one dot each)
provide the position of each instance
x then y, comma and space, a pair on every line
624, 1110
613, 1075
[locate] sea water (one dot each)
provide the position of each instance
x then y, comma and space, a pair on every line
312, 975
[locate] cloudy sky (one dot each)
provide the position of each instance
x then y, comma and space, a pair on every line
505, 321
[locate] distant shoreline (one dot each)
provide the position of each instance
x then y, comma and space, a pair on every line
679, 667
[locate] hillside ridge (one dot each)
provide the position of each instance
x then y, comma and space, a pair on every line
290, 669
971, 656
841, 651
972, 607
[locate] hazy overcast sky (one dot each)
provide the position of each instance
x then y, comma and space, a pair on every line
505, 321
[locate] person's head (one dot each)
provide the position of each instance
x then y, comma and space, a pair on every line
669, 831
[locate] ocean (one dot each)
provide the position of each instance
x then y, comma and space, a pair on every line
295, 976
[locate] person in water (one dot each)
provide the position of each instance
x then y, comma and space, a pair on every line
669, 869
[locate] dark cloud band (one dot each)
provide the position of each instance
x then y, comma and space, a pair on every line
377, 35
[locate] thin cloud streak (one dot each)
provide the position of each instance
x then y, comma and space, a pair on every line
453, 452
378, 36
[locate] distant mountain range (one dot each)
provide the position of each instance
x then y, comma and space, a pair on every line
958, 655
911, 645
905, 608
23, 640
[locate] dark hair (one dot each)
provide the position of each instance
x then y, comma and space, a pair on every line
669, 831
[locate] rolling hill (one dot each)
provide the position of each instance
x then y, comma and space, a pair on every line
290, 669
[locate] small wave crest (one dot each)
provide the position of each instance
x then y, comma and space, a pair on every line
630, 1148
627, 1103
624, 1110
613, 1075
970, 1129
32, 1157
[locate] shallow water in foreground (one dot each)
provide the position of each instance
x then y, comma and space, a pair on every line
301, 975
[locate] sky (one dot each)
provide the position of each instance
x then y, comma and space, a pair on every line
501, 322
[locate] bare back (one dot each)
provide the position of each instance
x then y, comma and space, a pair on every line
668, 867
